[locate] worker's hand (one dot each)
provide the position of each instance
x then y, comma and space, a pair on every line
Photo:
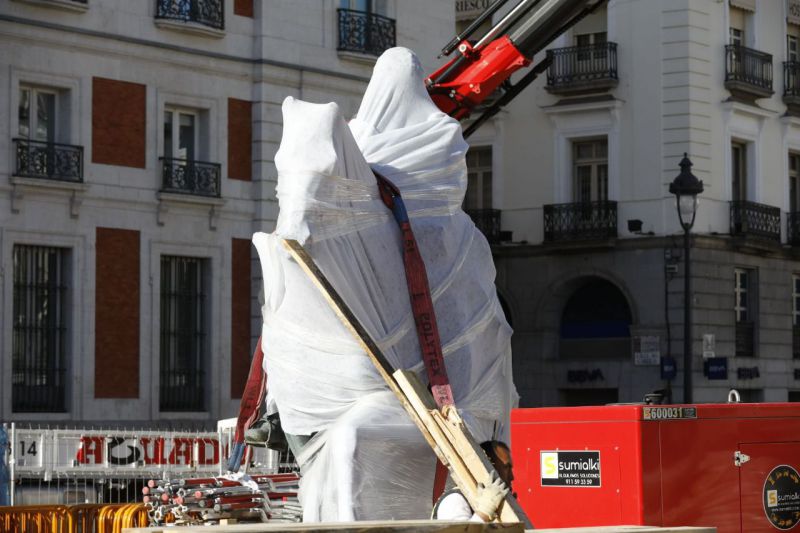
489, 497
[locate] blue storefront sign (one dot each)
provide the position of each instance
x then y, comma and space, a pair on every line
668, 368
716, 368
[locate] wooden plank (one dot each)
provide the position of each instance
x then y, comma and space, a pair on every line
451, 441
461, 447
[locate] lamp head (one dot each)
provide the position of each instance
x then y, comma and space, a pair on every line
686, 187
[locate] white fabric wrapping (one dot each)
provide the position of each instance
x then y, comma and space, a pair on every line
357, 466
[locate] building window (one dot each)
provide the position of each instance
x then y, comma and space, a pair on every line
738, 23
39, 345
794, 182
181, 134
478, 199
744, 309
796, 316
183, 333
586, 50
37, 114
590, 170
738, 172
792, 51
40, 123
185, 141
479, 178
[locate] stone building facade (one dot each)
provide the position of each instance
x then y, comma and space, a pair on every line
139, 140
571, 183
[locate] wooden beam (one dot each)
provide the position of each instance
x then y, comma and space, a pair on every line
444, 432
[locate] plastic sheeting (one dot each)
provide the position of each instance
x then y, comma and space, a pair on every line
367, 459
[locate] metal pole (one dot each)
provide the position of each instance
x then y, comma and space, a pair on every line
687, 320
12, 463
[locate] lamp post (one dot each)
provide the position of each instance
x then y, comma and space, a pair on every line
686, 187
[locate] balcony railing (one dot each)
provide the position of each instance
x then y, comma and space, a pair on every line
745, 339
578, 69
758, 221
190, 177
488, 222
581, 221
791, 83
748, 72
51, 161
365, 33
209, 13
796, 342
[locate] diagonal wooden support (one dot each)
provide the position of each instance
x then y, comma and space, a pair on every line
444, 431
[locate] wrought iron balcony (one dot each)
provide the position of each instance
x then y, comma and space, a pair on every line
51, 161
198, 178
365, 33
582, 69
745, 339
488, 222
796, 342
791, 83
210, 13
748, 72
757, 221
581, 221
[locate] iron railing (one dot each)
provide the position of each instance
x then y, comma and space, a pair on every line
793, 228
365, 33
46, 160
745, 339
39, 339
791, 78
748, 68
209, 13
488, 222
796, 342
582, 65
758, 221
580, 221
183, 334
190, 177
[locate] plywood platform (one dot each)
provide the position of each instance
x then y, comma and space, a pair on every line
410, 526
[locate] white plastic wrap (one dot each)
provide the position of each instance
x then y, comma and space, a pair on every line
368, 461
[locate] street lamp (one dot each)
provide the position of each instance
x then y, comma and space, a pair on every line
686, 187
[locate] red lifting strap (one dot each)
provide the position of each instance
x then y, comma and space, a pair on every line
253, 396
422, 307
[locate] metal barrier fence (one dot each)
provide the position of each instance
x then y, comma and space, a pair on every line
72, 519
55, 466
